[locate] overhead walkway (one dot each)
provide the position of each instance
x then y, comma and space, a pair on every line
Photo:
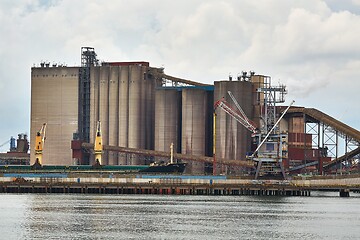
343, 129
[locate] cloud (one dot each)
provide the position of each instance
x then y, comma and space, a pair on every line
311, 46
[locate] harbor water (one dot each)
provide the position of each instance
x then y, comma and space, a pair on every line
83, 216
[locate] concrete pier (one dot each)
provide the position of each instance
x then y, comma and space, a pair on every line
149, 189
110, 183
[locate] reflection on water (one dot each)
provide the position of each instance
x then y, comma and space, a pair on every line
60, 216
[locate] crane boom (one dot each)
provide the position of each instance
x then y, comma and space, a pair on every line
272, 129
246, 119
238, 115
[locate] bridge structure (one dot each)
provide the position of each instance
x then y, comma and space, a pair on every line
334, 138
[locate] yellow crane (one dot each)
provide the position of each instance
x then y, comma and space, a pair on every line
39, 145
98, 147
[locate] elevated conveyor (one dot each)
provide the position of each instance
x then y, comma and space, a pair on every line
189, 82
186, 157
159, 74
352, 134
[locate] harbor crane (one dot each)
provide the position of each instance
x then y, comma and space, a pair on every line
39, 145
271, 155
239, 115
98, 146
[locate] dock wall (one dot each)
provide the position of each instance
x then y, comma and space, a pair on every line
182, 185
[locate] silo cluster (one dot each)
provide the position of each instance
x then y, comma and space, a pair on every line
137, 110
122, 98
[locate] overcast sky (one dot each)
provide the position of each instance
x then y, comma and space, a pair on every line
311, 46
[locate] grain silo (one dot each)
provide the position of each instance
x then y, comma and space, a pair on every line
167, 119
113, 129
233, 140
195, 126
54, 100
123, 111
122, 98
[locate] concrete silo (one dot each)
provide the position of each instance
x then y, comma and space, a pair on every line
232, 139
167, 119
194, 126
54, 100
122, 98
123, 111
113, 127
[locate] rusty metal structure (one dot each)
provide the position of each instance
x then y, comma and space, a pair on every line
325, 132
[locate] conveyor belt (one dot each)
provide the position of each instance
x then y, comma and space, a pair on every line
161, 75
330, 121
175, 79
348, 155
335, 124
185, 157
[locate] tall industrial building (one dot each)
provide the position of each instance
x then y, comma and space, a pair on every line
54, 100
141, 107
137, 107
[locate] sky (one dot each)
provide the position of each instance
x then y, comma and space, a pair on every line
311, 46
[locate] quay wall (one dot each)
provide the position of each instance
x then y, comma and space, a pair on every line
178, 181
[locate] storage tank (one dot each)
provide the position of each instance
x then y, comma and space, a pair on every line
167, 122
123, 111
233, 140
122, 98
113, 113
104, 109
136, 112
194, 126
149, 92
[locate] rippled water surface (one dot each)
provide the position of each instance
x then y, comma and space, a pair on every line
66, 216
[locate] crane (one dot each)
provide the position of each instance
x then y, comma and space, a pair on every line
39, 145
239, 115
272, 129
260, 156
98, 147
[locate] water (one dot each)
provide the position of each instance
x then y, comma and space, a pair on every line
66, 216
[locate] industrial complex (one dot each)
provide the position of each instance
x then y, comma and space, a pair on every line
237, 126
